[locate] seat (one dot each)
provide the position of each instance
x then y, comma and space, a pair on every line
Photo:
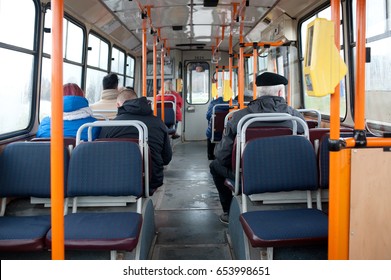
281, 164
69, 142
169, 115
312, 123
142, 131
316, 134
25, 172
246, 130
219, 111
106, 169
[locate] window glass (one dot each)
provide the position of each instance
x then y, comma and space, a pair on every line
16, 90
17, 29
94, 85
98, 52
73, 46
377, 80
74, 42
197, 83
17, 24
97, 67
118, 64
130, 64
322, 103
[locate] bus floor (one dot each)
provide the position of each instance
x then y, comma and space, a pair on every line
187, 209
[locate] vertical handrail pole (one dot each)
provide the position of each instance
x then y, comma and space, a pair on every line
162, 89
359, 110
144, 56
255, 70
338, 191
154, 75
57, 134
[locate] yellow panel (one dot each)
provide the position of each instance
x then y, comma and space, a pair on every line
323, 65
227, 93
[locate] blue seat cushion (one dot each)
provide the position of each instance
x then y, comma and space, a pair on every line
101, 231
275, 228
23, 233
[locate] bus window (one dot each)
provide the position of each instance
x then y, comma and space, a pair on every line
118, 64
97, 67
197, 83
129, 71
377, 81
73, 42
322, 103
17, 60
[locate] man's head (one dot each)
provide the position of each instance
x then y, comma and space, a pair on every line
269, 83
124, 95
110, 81
168, 85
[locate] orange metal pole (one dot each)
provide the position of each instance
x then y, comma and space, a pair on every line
339, 192
241, 68
255, 72
144, 58
162, 82
262, 44
371, 142
57, 134
154, 75
359, 112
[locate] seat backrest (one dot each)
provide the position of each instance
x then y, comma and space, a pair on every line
106, 169
68, 141
169, 112
260, 132
134, 140
324, 158
217, 126
25, 169
219, 112
275, 164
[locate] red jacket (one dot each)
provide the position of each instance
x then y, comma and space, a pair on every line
178, 99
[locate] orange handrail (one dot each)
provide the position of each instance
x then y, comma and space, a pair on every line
144, 57
338, 195
255, 72
371, 142
154, 75
162, 89
57, 134
359, 112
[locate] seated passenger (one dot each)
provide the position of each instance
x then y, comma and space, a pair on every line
248, 96
76, 113
270, 89
132, 108
108, 100
168, 89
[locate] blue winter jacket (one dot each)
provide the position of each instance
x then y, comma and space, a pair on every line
76, 113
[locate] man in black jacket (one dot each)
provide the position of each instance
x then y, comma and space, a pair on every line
270, 92
132, 108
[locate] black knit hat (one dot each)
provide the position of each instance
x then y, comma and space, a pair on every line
270, 79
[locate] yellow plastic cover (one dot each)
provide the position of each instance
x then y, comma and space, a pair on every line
323, 65
227, 93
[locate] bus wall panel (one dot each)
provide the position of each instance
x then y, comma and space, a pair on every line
370, 208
